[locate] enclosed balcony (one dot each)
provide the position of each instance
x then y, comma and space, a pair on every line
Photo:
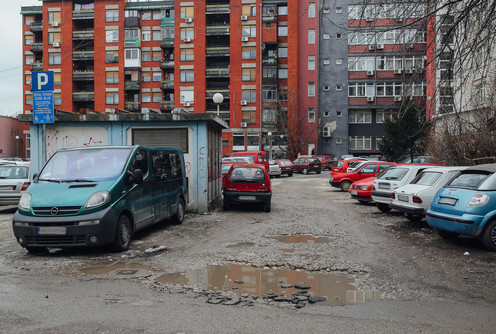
218, 9
131, 22
167, 84
218, 51
167, 43
223, 29
83, 55
37, 47
266, 60
83, 96
132, 106
166, 64
83, 75
36, 26
37, 66
218, 72
80, 35
132, 85
83, 12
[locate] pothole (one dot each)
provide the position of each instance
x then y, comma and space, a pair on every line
120, 270
301, 239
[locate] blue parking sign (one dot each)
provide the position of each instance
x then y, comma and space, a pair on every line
43, 107
42, 81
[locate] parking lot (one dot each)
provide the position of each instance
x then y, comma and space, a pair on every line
398, 271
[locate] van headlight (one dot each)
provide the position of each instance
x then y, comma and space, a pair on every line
25, 202
97, 199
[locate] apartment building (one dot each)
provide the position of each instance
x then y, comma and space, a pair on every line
120, 56
372, 56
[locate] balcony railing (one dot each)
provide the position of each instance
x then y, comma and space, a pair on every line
167, 43
37, 66
269, 17
166, 65
167, 104
83, 35
218, 51
36, 26
83, 14
37, 47
211, 91
132, 85
132, 106
83, 55
218, 30
131, 22
218, 9
269, 60
83, 96
217, 72
167, 84
83, 75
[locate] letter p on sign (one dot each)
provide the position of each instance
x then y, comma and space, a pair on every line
42, 81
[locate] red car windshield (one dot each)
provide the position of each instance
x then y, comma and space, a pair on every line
247, 175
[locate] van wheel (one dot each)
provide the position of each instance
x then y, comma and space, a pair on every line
305, 171
178, 218
267, 207
122, 238
383, 207
489, 236
413, 218
345, 185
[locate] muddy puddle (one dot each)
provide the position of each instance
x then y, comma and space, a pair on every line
301, 239
278, 284
119, 270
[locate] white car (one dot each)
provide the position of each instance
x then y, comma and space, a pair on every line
274, 169
415, 198
14, 180
393, 178
237, 159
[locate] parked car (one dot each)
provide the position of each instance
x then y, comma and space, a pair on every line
274, 169
419, 159
306, 165
466, 205
256, 157
393, 178
247, 183
415, 198
326, 161
360, 190
287, 166
236, 159
14, 180
367, 169
226, 166
343, 165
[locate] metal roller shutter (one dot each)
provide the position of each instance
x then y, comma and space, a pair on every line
162, 137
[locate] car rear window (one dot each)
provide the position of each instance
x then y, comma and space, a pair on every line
340, 163
395, 174
427, 178
285, 162
470, 180
14, 172
247, 175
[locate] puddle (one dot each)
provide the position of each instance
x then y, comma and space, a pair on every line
119, 270
302, 239
337, 289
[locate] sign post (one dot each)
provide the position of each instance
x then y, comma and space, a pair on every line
42, 88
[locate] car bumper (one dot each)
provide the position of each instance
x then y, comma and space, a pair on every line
65, 231
274, 173
287, 171
335, 184
9, 200
381, 196
407, 209
238, 197
464, 224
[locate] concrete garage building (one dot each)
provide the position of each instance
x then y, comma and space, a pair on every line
198, 134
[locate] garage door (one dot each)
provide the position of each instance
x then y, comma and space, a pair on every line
162, 137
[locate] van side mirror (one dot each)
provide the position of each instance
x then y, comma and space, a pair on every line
35, 176
136, 176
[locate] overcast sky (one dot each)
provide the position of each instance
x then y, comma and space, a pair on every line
11, 56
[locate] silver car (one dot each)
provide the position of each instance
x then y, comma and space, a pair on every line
274, 169
14, 180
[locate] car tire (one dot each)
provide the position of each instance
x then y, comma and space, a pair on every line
319, 171
122, 238
178, 218
489, 236
414, 218
290, 174
383, 207
345, 185
267, 207
304, 171
447, 234
225, 206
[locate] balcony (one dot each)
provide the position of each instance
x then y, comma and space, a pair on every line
218, 51
132, 85
83, 75
167, 84
218, 30
167, 104
83, 96
269, 17
37, 66
167, 43
269, 81
269, 60
83, 55
36, 26
83, 14
83, 35
218, 72
209, 94
218, 9
37, 47
131, 22
132, 106
167, 65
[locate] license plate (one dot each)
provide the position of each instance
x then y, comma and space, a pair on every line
315, 166
383, 185
52, 230
403, 198
447, 201
247, 198
354, 192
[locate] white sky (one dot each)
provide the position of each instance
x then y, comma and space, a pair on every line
11, 56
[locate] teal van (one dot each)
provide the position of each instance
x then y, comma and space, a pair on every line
101, 195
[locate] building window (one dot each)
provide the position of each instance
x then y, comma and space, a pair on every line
326, 36
53, 37
187, 96
339, 61
339, 113
157, 35
146, 16
339, 10
157, 76
157, 97
249, 74
57, 78
282, 10
131, 37
187, 33
382, 116
145, 56
311, 115
146, 76
326, 88
249, 116
282, 52
326, 114
249, 95
249, 31
249, 52
111, 98
54, 58
339, 87
361, 89
28, 98
389, 89
326, 61
54, 17
27, 79
157, 15
282, 73
311, 36
146, 97
28, 20
239, 140
187, 55
311, 63
361, 63
187, 76
282, 31
360, 143
269, 72
57, 99
146, 35
29, 59
28, 40
111, 15
326, 10
311, 9
187, 12
112, 36
339, 35
359, 117
111, 57
249, 10
311, 89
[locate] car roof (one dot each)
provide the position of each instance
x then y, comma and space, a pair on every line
445, 169
485, 167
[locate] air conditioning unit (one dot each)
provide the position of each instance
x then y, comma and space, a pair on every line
244, 39
370, 73
371, 47
326, 132
55, 24
56, 44
397, 98
409, 71
370, 99
397, 71
244, 17
380, 46
369, 19
187, 104
243, 102
188, 20
187, 39
244, 124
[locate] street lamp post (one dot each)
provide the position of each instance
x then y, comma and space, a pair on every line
218, 99
270, 144
17, 146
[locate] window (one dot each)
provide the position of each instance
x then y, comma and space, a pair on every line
339, 35
282, 52
131, 37
111, 98
111, 15
361, 63
446, 65
311, 63
157, 76
326, 10
131, 13
389, 89
282, 10
157, 35
249, 116
187, 32
361, 89
269, 93
269, 72
311, 89
187, 76
156, 55
111, 57
382, 116
112, 36
29, 98
239, 140
157, 97
145, 56
360, 143
339, 87
311, 36
187, 96
146, 16
54, 17
157, 15
146, 35
326, 61
282, 31
146, 97
339, 61
249, 74
187, 54
249, 95
359, 116
29, 59
145, 76
282, 73
249, 52
326, 88
111, 77
54, 37
57, 99
167, 32
57, 78
339, 113
339, 10
413, 89
27, 79
28, 20
249, 10
249, 31
28, 40
327, 114
390, 63
326, 36
311, 9
187, 11
311, 115
54, 58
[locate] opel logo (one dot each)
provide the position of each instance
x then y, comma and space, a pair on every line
54, 211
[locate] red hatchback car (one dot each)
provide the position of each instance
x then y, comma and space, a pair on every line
287, 166
247, 183
327, 161
361, 190
367, 169
307, 164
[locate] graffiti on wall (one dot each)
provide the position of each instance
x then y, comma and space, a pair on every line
68, 137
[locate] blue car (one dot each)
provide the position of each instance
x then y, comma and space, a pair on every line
467, 205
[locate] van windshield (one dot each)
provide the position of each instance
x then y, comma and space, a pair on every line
85, 165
